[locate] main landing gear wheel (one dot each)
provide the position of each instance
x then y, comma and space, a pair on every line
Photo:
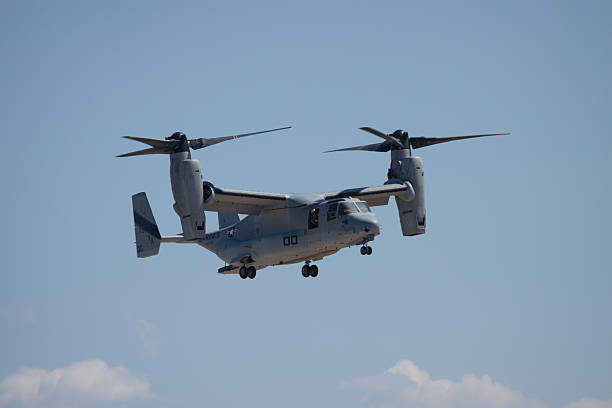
314, 271
243, 272
251, 272
366, 250
310, 270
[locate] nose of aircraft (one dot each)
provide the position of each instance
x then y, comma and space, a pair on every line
374, 227
367, 223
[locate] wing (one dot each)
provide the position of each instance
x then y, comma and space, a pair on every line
254, 203
245, 202
378, 195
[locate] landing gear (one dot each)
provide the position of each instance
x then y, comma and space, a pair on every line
314, 271
366, 250
310, 270
247, 272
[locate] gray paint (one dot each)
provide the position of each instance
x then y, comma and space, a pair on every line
407, 168
277, 228
147, 234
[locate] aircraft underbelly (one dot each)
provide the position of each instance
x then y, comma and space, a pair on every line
281, 249
301, 247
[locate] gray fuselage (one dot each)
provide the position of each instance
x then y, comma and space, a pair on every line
290, 235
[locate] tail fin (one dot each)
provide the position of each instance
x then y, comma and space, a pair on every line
225, 220
148, 237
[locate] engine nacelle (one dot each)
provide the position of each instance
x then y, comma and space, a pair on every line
407, 195
411, 212
208, 192
187, 189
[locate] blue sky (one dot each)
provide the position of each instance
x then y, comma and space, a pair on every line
507, 296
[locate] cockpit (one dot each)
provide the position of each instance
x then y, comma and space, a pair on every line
353, 215
339, 209
335, 210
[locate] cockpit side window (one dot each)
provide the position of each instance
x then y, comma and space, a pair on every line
313, 218
331, 211
347, 207
363, 207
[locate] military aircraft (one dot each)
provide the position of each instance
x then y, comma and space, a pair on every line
282, 229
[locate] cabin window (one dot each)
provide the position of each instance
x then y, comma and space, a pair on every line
363, 207
331, 211
313, 218
347, 207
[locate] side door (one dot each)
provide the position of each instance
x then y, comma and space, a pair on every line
315, 227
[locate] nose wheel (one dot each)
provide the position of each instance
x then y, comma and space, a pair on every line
247, 272
310, 270
366, 250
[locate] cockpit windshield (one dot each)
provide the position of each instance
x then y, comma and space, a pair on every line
347, 207
363, 207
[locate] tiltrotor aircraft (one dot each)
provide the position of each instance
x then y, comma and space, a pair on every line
282, 229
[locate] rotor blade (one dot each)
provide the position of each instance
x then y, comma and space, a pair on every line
204, 142
418, 142
159, 143
151, 150
376, 147
388, 138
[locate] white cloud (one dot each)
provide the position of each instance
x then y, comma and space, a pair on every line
590, 403
149, 337
410, 370
84, 384
406, 385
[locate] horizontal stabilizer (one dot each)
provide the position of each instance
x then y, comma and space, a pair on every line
177, 239
148, 237
227, 220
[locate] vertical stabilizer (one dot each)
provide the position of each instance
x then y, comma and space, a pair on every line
148, 237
